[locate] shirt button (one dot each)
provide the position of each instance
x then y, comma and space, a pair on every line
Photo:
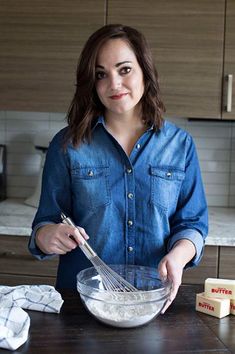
130, 195
168, 174
138, 146
130, 222
129, 170
90, 173
130, 249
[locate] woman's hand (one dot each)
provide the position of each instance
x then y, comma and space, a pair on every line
59, 238
172, 265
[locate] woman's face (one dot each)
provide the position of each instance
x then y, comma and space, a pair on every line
119, 78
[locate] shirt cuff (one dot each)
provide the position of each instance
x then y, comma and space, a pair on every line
33, 248
195, 237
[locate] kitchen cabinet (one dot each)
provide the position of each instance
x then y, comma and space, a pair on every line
40, 44
18, 266
208, 267
217, 262
229, 61
227, 263
193, 43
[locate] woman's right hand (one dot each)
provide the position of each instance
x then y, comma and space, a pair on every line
59, 238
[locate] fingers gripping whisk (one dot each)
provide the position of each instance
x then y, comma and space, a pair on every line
111, 280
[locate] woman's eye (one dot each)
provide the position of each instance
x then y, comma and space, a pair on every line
99, 75
125, 70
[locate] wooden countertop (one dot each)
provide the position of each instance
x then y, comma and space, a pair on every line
16, 219
180, 330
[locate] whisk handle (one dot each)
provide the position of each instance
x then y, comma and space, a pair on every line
86, 248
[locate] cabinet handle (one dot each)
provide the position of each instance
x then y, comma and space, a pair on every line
229, 93
7, 253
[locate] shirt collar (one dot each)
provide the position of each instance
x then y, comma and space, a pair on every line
100, 120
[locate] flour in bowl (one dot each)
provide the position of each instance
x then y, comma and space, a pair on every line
124, 313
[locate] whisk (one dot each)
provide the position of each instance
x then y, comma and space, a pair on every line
111, 280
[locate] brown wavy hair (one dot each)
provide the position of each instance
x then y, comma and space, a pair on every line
86, 106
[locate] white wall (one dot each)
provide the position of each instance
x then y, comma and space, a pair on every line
215, 143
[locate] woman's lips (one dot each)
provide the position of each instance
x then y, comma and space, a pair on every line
118, 97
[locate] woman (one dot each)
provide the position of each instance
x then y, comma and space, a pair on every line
128, 179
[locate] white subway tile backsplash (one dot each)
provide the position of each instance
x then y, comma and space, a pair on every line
22, 181
215, 166
216, 178
24, 159
55, 126
23, 125
22, 170
212, 143
61, 117
2, 128
2, 137
207, 124
232, 178
218, 200
215, 142
19, 192
2, 124
217, 189
233, 130
15, 136
21, 147
231, 201
29, 116
2, 115
212, 132
232, 189
214, 155
180, 122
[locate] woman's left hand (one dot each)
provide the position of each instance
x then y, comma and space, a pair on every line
172, 265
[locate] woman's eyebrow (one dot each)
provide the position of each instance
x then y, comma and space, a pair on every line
117, 65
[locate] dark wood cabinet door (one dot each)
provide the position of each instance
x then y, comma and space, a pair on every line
229, 62
40, 44
207, 268
227, 263
18, 266
187, 42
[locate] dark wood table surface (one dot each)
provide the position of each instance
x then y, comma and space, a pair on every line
180, 330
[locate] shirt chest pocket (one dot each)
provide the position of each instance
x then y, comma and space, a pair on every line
165, 186
90, 186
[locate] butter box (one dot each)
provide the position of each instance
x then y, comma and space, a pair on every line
232, 306
212, 306
220, 288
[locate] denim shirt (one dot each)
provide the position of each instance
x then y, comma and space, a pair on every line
134, 208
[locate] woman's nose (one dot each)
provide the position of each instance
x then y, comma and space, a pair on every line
115, 82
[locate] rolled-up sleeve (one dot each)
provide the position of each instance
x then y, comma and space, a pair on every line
55, 195
190, 221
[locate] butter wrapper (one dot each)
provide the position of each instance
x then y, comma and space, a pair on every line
212, 306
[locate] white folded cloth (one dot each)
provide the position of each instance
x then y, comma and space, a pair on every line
15, 322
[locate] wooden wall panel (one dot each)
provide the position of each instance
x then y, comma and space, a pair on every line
187, 42
40, 43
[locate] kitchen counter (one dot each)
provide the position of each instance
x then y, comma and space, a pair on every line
180, 330
16, 219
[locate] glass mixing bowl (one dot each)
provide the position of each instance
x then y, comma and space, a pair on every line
125, 309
